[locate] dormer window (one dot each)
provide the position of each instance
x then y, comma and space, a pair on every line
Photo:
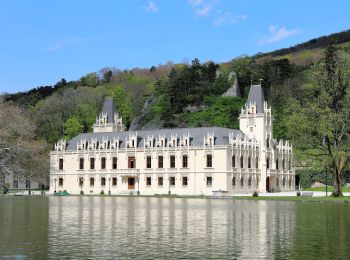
209, 140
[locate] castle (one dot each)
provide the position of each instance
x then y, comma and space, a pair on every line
184, 161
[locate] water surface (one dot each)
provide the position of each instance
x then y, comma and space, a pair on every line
169, 228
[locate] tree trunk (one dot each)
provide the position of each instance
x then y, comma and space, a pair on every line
337, 183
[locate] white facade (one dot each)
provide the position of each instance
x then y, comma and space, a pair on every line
20, 183
187, 161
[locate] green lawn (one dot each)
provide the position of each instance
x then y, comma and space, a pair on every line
302, 199
330, 189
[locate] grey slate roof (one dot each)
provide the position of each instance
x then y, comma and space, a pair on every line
256, 95
109, 108
221, 135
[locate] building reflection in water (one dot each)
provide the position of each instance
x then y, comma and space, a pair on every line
108, 227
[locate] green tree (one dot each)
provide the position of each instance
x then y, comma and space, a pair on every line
320, 126
107, 76
72, 128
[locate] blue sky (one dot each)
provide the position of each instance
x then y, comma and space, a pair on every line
44, 41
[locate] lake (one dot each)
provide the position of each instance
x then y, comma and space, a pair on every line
169, 228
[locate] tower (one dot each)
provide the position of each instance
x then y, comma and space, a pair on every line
255, 121
108, 120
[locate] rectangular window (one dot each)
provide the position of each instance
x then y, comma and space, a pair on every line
209, 160
160, 181
81, 163
148, 181
60, 164
103, 163
60, 181
249, 162
184, 181
114, 163
172, 181
242, 181
267, 163
256, 162
234, 161
277, 164
131, 162
242, 161
92, 163
233, 181
250, 182
114, 181
184, 161
277, 180
172, 161
149, 162
103, 181
15, 184
28, 183
92, 181
160, 161
209, 181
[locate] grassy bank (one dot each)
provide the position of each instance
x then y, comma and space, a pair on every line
328, 199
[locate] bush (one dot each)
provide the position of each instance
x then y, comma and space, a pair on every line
81, 192
298, 193
309, 176
102, 192
255, 194
6, 187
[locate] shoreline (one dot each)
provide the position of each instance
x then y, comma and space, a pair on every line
319, 199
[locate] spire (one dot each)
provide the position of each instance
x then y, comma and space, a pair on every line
256, 96
109, 109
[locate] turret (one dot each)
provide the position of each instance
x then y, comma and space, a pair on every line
108, 120
255, 119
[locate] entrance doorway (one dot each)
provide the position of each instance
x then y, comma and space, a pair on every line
131, 183
268, 184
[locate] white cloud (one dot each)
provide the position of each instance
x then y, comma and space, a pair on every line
202, 8
277, 34
195, 2
151, 7
228, 18
62, 44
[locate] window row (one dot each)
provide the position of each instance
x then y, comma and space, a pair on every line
131, 162
242, 163
113, 181
278, 166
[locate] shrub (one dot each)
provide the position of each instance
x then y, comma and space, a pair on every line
102, 192
6, 187
298, 193
255, 194
309, 176
81, 192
